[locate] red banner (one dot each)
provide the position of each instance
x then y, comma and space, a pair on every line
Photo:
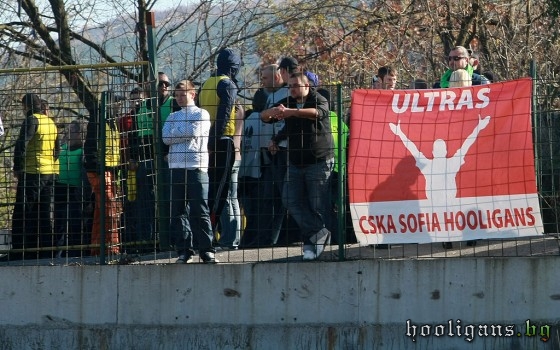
443, 165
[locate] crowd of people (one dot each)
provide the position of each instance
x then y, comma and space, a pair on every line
229, 177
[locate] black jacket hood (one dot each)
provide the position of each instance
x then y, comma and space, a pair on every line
228, 63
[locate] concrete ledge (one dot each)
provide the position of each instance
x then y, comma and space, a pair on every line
340, 305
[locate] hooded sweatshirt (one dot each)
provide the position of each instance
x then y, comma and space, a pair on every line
218, 95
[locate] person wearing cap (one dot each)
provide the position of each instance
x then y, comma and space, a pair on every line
287, 66
459, 59
218, 96
313, 79
97, 165
35, 166
310, 152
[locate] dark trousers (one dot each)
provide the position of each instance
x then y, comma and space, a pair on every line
71, 220
219, 172
33, 216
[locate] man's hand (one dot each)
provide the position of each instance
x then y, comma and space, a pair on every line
482, 123
280, 112
395, 128
272, 147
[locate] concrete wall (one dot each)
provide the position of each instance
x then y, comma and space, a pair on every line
319, 305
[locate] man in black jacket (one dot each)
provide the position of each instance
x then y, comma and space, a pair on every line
310, 160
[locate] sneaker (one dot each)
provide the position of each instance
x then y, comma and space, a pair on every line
183, 259
208, 258
320, 239
309, 255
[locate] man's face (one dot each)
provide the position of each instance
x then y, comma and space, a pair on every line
298, 89
163, 87
457, 60
267, 79
389, 82
136, 98
184, 97
73, 134
285, 74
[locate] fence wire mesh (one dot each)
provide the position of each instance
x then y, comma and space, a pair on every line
107, 197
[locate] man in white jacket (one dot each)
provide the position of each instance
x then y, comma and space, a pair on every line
186, 132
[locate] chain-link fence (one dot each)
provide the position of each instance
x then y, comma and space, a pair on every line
96, 187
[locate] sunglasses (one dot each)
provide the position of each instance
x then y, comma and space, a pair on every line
455, 58
164, 83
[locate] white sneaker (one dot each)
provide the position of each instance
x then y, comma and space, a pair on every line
309, 255
321, 238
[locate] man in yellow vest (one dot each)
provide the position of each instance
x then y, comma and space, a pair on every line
36, 167
217, 96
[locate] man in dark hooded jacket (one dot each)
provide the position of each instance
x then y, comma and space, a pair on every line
217, 96
99, 165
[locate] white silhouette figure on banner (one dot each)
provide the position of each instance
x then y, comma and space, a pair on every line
441, 171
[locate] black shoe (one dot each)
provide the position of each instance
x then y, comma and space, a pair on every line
208, 258
447, 245
471, 243
382, 246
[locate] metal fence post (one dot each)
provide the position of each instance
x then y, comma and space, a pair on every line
162, 218
102, 185
341, 202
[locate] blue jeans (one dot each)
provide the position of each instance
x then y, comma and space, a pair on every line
230, 219
305, 195
190, 216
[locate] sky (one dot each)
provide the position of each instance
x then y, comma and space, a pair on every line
165, 4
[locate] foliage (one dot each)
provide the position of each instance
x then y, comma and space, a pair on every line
348, 41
